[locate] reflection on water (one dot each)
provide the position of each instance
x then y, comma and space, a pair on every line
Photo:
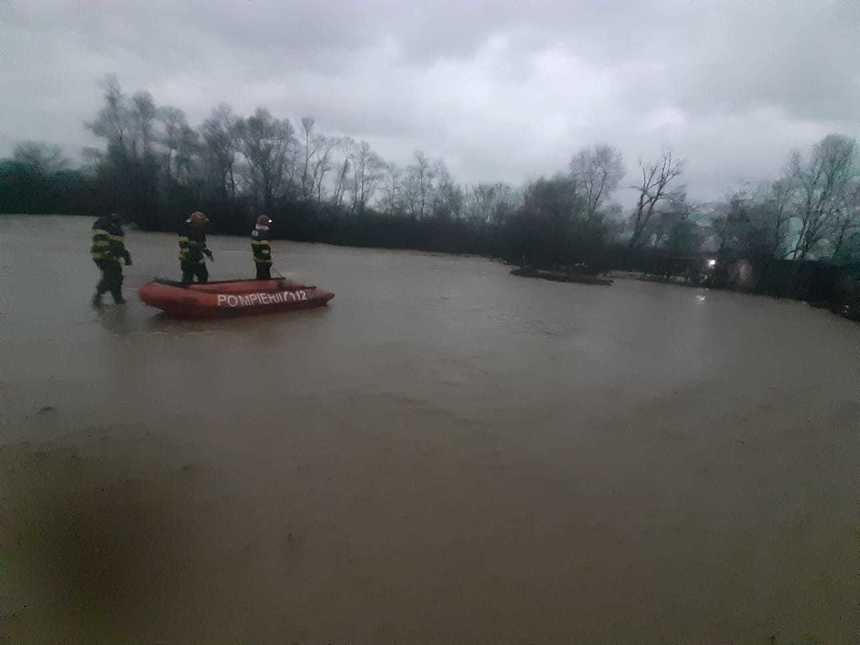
445, 454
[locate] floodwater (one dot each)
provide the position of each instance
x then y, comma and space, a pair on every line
445, 454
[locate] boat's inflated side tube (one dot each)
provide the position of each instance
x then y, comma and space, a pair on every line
233, 297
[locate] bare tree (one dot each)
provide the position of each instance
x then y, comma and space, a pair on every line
316, 153
42, 158
128, 168
268, 144
731, 222
172, 122
113, 120
672, 214
322, 165
187, 154
143, 115
220, 146
447, 199
125, 123
341, 185
367, 171
775, 213
392, 189
656, 177
489, 203
418, 186
822, 181
846, 221
309, 151
597, 172
753, 221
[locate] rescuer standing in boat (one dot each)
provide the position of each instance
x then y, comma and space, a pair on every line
192, 248
261, 247
108, 248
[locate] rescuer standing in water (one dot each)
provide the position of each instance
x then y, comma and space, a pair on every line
192, 248
261, 247
108, 248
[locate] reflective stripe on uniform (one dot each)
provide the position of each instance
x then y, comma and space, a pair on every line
262, 251
183, 248
192, 247
100, 248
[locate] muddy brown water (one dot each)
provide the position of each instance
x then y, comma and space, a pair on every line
446, 454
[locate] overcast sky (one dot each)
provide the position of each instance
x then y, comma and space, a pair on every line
503, 90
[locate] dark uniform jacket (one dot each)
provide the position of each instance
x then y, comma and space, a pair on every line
192, 245
108, 241
260, 245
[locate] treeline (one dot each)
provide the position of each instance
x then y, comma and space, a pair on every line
155, 167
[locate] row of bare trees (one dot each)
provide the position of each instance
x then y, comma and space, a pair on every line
261, 159
156, 166
823, 188
811, 211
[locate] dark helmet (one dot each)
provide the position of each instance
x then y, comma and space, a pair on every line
263, 220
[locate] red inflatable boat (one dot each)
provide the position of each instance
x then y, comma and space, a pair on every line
231, 297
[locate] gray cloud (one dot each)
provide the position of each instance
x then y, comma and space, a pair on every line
502, 90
